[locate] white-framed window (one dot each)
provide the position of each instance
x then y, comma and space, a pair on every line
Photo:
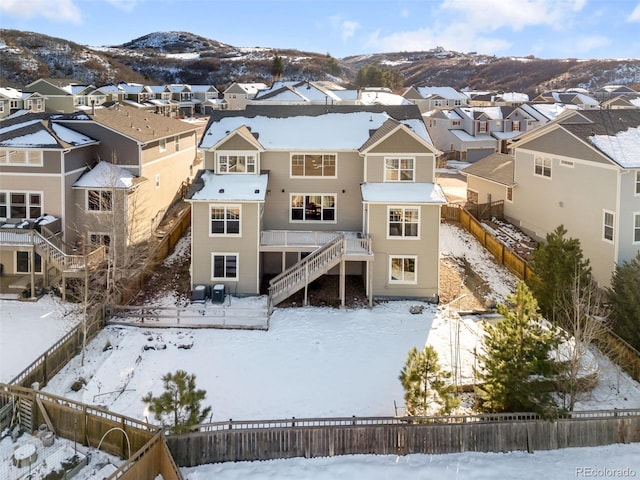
636, 227
403, 269
21, 205
608, 221
99, 200
542, 167
399, 169
313, 165
509, 194
162, 145
237, 163
1, 106
455, 123
21, 158
224, 266
637, 182
157, 178
23, 264
482, 127
177, 142
472, 196
403, 222
319, 207
515, 126
224, 220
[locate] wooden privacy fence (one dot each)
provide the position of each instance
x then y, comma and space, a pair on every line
142, 444
498, 249
265, 440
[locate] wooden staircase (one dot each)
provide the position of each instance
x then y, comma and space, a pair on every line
314, 265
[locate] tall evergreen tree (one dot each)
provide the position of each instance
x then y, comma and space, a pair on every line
624, 298
426, 385
179, 406
277, 67
516, 368
556, 263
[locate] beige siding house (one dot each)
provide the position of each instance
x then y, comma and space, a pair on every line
291, 193
581, 171
87, 180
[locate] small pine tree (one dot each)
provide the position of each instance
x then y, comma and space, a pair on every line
516, 364
179, 406
556, 263
624, 298
426, 384
277, 67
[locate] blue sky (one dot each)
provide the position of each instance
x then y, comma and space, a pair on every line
544, 28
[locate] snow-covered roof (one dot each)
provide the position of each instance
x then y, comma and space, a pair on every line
465, 137
444, 92
10, 92
382, 98
402, 192
505, 135
39, 133
622, 147
222, 188
329, 131
106, 175
514, 97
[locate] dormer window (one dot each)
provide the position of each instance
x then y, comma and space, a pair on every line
236, 163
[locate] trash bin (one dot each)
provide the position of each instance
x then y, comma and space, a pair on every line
217, 293
199, 293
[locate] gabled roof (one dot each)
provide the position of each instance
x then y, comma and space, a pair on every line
449, 93
11, 93
497, 167
245, 88
38, 131
313, 127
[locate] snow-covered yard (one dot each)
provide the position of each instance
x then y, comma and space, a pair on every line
313, 361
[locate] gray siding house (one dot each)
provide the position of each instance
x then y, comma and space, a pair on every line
291, 193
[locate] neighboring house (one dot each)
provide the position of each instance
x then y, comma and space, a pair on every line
614, 103
472, 133
612, 91
295, 93
13, 101
237, 95
111, 173
207, 98
431, 98
298, 192
490, 179
577, 98
581, 171
66, 98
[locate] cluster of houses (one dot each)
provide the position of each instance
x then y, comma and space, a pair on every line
296, 180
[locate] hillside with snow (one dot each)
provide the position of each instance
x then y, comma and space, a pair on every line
182, 57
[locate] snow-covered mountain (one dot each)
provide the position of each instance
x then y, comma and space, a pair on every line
174, 57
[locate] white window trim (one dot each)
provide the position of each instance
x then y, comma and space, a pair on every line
323, 222
226, 254
318, 177
86, 200
613, 226
542, 175
27, 195
506, 194
403, 208
238, 153
225, 206
27, 155
162, 145
399, 158
15, 263
635, 215
637, 184
403, 282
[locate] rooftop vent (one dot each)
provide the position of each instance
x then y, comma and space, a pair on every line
256, 191
221, 190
